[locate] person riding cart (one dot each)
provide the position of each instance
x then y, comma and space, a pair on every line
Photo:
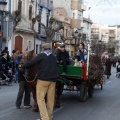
63, 58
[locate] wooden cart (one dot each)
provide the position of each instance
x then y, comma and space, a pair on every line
74, 77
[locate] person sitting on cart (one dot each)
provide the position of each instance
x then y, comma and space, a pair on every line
63, 58
82, 53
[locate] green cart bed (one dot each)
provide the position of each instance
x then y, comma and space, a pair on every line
72, 70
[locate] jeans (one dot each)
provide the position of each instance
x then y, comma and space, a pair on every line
16, 76
23, 88
46, 108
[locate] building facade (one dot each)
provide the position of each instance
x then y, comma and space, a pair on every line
87, 28
44, 8
95, 32
5, 22
74, 9
104, 33
23, 36
60, 15
118, 38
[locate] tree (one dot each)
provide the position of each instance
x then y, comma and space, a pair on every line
111, 47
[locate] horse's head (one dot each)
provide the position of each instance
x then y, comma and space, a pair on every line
28, 55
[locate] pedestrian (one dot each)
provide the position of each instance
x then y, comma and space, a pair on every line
5, 68
17, 54
108, 65
24, 90
5, 61
6, 51
82, 53
46, 82
63, 58
13, 61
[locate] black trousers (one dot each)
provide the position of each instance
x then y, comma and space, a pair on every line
65, 63
23, 90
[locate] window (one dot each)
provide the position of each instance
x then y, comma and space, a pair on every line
20, 6
40, 49
36, 49
30, 12
73, 15
47, 3
66, 32
29, 45
48, 15
88, 26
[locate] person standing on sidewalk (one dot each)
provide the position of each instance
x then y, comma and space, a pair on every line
23, 88
46, 82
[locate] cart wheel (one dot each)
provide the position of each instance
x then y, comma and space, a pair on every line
83, 92
101, 86
62, 89
90, 91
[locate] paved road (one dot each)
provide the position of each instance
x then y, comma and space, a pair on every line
105, 105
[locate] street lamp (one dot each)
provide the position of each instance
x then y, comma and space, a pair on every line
3, 4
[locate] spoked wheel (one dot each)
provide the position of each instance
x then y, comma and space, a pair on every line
83, 92
101, 86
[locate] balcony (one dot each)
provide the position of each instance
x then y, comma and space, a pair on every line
93, 32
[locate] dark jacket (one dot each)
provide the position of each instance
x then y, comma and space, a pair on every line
5, 63
64, 56
108, 67
20, 76
47, 67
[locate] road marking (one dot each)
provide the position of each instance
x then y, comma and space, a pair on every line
57, 110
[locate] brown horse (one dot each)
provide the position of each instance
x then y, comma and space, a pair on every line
31, 75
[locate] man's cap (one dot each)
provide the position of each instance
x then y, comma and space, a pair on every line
46, 46
62, 46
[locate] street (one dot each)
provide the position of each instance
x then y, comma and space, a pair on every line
105, 104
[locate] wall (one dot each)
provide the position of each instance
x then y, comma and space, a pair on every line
87, 30
64, 3
26, 38
23, 28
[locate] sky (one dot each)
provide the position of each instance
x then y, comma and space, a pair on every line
103, 11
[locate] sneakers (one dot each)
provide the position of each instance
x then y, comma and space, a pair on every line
18, 107
27, 106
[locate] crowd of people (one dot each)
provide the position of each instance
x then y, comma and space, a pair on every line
9, 65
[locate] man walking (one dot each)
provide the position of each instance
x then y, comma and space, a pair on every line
47, 76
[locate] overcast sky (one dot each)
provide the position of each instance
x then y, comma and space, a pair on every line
103, 11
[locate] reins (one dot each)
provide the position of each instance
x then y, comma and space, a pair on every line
32, 80
25, 76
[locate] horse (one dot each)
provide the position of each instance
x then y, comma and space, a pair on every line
30, 75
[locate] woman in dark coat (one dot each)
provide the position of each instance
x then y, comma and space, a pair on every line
108, 67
